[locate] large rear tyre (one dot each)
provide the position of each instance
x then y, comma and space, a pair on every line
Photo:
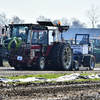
41, 63
1, 62
61, 57
66, 57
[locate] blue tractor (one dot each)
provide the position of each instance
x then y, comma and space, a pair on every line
82, 52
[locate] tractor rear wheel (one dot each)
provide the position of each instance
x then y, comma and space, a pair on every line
61, 57
66, 57
41, 63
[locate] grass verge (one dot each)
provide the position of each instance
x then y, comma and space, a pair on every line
49, 76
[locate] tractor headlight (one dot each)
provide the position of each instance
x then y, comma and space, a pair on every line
32, 53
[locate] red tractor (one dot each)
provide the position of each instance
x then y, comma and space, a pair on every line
44, 46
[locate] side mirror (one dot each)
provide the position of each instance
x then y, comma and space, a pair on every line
2, 30
53, 33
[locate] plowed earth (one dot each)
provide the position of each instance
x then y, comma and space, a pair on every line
48, 91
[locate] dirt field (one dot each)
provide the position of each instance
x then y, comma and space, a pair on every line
51, 91
48, 91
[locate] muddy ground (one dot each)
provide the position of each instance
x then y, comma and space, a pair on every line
51, 91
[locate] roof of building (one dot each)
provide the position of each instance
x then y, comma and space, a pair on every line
70, 33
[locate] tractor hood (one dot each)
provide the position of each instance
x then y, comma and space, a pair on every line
35, 46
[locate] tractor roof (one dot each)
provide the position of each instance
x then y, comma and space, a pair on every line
50, 24
25, 24
45, 23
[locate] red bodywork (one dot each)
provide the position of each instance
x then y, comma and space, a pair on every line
26, 58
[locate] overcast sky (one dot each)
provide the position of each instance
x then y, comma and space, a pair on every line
29, 10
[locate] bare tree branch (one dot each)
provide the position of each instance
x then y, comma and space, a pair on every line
3, 19
93, 15
42, 18
16, 20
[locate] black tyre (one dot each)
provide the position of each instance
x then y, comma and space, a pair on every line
89, 61
10, 63
1, 62
66, 57
61, 57
54, 57
75, 65
92, 63
18, 67
41, 63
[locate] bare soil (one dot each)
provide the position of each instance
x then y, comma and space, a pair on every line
48, 91
51, 91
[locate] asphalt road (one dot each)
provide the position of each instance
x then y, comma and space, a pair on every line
10, 71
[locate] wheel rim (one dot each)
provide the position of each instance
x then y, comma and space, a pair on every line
67, 57
92, 63
76, 66
42, 64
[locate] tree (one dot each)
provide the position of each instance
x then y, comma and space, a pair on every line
3, 19
56, 21
94, 15
77, 24
98, 25
64, 21
16, 20
42, 18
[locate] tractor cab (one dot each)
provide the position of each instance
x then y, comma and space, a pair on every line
45, 35
19, 30
82, 44
82, 39
16, 36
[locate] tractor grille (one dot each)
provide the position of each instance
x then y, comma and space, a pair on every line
20, 52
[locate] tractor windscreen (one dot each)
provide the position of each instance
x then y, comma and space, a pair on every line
19, 31
37, 37
82, 39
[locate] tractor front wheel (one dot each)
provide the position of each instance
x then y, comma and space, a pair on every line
75, 65
92, 63
18, 67
41, 63
1, 62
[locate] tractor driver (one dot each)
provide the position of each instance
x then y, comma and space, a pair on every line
84, 40
43, 38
